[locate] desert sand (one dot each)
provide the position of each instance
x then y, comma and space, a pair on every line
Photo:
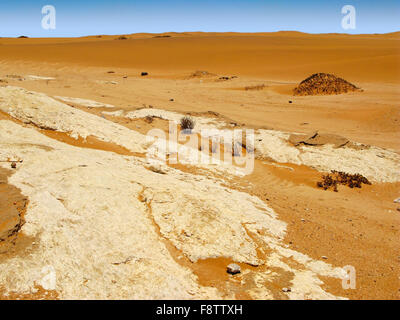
80, 199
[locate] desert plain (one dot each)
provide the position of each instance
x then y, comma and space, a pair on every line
89, 211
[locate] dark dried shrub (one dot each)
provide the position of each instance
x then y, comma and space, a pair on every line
149, 119
256, 87
187, 123
331, 181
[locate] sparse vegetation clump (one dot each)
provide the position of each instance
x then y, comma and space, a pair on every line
121, 38
149, 119
187, 123
323, 84
255, 87
331, 181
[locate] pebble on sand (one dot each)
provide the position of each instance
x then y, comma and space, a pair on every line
233, 268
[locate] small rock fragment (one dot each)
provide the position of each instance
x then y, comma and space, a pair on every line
286, 289
396, 200
233, 268
144, 74
13, 165
324, 257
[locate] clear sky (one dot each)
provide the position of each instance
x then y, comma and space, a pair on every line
91, 17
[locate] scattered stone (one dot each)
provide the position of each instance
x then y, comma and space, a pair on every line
121, 38
233, 268
13, 165
324, 257
201, 73
149, 119
111, 71
16, 77
156, 169
286, 290
144, 74
398, 209
323, 84
396, 200
290, 101
171, 99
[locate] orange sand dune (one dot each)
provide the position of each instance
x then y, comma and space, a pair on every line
281, 55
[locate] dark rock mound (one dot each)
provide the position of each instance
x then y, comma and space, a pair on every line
323, 84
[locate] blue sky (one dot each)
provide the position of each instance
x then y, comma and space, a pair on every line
90, 17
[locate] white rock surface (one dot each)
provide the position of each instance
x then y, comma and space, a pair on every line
95, 218
47, 113
200, 122
33, 77
375, 163
100, 221
85, 102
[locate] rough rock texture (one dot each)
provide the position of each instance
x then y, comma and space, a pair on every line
201, 123
375, 163
318, 139
85, 102
110, 227
323, 84
47, 113
92, 210
233, 268
333, 152
105, 226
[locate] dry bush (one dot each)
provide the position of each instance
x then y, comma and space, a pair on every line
331, 181
256, 87
187, 123
149, 119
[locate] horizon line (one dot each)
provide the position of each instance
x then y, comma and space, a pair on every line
183, 32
